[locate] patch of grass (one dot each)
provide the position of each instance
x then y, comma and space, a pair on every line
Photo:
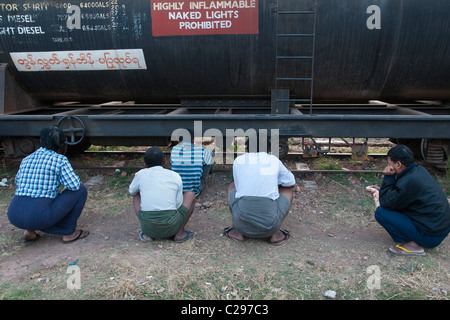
166, 272
324, 163
221, 212
8, 292
370, 178
107, 201
9, 245
444, 181
120, 180
341, 178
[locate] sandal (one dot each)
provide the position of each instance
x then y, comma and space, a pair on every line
144, 238
286, 236
405, 252
189, 235
226, 232
81, 235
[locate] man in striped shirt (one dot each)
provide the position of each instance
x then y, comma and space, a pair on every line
192, 163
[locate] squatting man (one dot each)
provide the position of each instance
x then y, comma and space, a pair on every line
410, 205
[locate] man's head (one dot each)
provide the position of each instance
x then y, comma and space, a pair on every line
52, 138
188, 137
400, 157
153, 157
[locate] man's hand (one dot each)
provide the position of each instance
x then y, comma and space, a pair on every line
373, 188
375, 191
389, 170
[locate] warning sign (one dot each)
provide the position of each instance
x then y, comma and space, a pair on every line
194, 17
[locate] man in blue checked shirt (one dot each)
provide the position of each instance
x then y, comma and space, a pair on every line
38, 204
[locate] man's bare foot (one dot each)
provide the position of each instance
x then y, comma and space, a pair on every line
78, 234
183, 235
408, 249
31, 236
279, 237
144, 238
232, 233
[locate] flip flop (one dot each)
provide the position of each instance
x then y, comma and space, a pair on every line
189, 235
81, 235
226, 232
286, 237
30, 241
405, 252
146, 239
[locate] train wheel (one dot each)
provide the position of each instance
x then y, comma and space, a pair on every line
20, 147
79, 147
434, 153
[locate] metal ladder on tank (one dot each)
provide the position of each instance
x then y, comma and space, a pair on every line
280, 98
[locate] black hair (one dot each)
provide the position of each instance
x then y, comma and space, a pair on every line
267, 148
52, 138
191, 133
401, 153
153, 157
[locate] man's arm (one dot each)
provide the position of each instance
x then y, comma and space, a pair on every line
207, 157
68, 176
134, 186
285, 177
394, 194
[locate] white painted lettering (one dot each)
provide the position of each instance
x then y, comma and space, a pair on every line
21, 18
74, 18
168, 5
185, 15
374, 21
30, 30
8, 7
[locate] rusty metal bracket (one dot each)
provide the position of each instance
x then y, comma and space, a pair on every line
313, 150
359, 151
3, 67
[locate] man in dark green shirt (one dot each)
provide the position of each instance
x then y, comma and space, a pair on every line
413, 207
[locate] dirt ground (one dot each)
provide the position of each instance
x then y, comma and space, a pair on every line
334, 240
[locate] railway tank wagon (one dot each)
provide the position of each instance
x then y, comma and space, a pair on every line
132, 72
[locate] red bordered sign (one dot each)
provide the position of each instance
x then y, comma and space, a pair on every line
202, 17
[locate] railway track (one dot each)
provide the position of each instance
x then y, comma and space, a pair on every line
131, 160
292, 158
288, 156
124, 162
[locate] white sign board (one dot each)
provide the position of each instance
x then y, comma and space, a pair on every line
80, 60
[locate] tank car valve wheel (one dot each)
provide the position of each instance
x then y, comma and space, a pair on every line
73, 128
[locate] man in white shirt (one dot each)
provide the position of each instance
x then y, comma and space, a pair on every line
159, 202
259, 198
